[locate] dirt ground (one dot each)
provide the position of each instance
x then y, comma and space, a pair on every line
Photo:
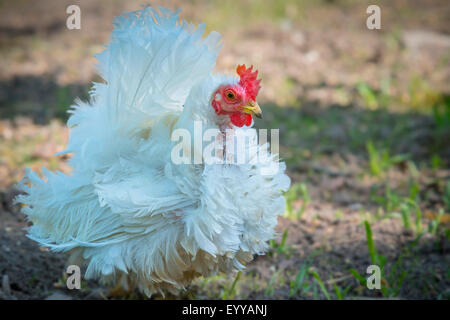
331, 244
364, 119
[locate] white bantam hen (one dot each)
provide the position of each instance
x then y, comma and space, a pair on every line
127, 211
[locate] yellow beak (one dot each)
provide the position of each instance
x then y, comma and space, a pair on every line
253, 108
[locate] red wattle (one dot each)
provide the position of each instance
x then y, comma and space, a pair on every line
241, 119
248, 120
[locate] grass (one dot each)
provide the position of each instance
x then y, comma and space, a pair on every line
392, 278
225, 13
375, 258
404, 207
420, 97
380, 160
433, 226
441, 112
307, 281
280, 247
230, 292
296, 285
296, 192
309, 133
320, 283
270, 289
341, 293
446, 196
373, 99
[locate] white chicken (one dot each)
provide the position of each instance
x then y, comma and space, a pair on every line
127, 211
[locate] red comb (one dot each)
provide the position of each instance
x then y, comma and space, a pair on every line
248, 80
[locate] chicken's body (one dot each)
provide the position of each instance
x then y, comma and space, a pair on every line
126, 210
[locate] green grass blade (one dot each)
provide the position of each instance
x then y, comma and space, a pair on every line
360, 278
321, 284
370, 245
229, 294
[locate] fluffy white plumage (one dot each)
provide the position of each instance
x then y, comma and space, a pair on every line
126, 210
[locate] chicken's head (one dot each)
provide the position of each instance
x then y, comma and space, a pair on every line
238, 101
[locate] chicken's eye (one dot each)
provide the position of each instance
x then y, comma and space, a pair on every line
230, 95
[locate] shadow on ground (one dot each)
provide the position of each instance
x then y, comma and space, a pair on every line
38, 97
